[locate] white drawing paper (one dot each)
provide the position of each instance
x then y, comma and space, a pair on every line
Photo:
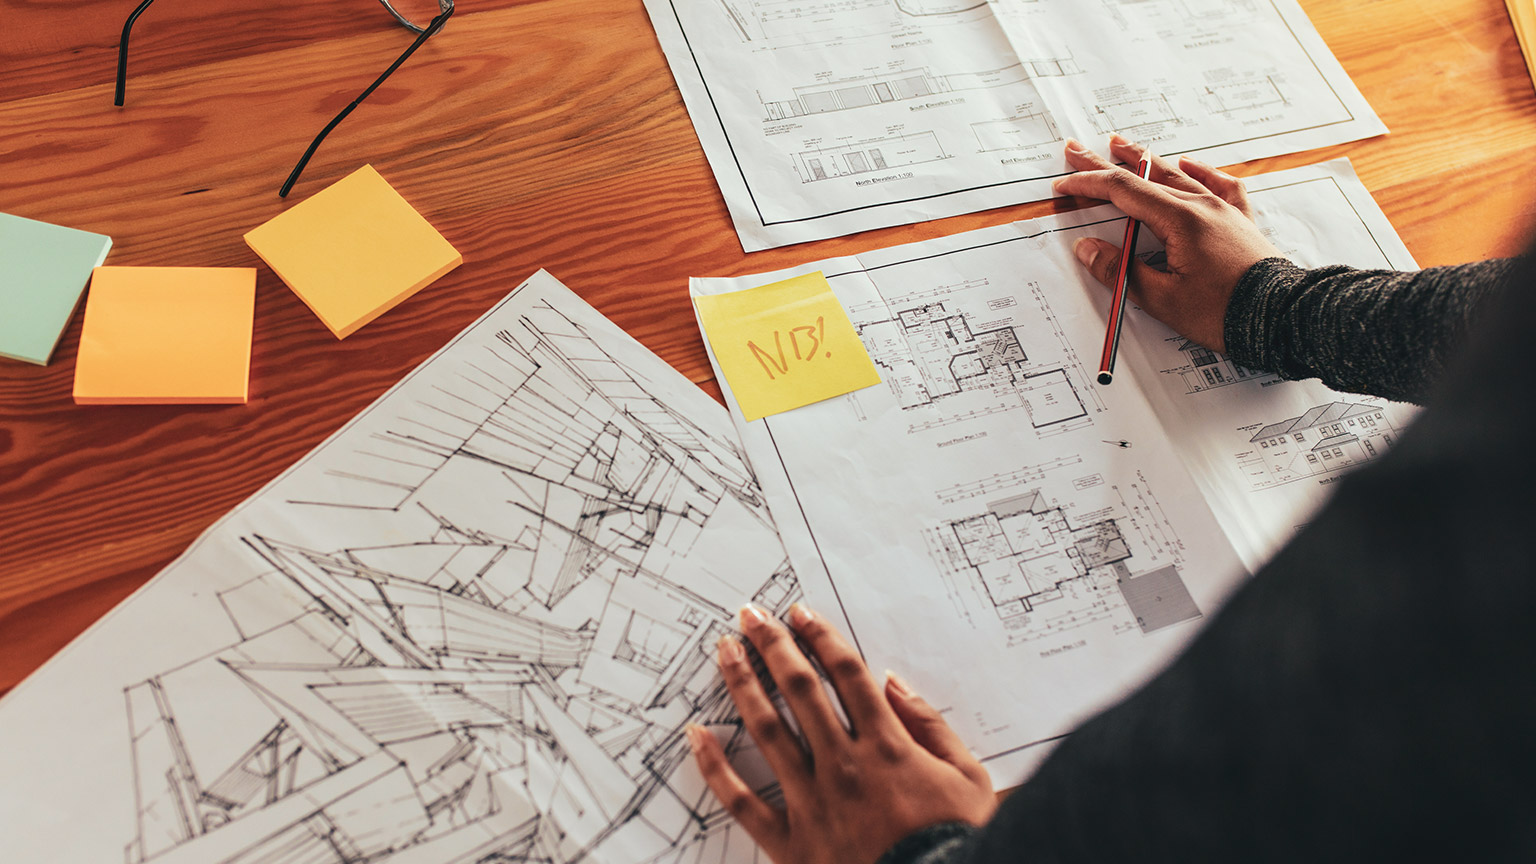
828, 117
1021, 543
469, 627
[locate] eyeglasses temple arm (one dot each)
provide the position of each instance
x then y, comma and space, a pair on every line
436, 25
122, 52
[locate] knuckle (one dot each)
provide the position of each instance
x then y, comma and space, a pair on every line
845, 777
845, 666
800, 682
739, 676
888, 748
766, 729
739, 803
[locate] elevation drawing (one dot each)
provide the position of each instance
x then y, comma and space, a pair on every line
1324, 440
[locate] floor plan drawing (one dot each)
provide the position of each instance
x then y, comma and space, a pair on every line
470, 627
942, 367
998, 85
1327, 439
1045, 573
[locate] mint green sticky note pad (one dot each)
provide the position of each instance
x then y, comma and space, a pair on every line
43, 271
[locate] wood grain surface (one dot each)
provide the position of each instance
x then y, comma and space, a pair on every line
532, 133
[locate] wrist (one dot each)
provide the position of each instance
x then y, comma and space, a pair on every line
937, 844
1248, 316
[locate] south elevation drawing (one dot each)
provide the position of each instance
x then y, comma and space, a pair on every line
495, 660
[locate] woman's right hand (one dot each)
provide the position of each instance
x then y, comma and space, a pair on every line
1201, 215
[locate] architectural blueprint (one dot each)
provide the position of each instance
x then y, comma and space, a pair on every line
469, 627
827, 117
1048, 542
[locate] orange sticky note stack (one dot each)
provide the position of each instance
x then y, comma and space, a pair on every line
166, 335
1522, 13
353, 250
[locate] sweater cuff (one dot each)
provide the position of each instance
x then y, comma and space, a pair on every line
1244, 327
944, 843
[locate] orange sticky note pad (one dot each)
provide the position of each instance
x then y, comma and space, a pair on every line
166, 335
785, 345
353, 250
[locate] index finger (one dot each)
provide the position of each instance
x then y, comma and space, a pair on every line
1150, 203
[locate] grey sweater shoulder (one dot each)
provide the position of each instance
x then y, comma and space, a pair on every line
1382, 332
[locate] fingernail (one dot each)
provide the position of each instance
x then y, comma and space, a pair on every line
1076, 146
752, 617
799, 616
730, 650
1190, 160
693, 731
1117, 138
1087, 251
901, 687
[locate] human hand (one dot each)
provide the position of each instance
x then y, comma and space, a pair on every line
1202, 216
853, 795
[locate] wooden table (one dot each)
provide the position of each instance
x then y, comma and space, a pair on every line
532, 133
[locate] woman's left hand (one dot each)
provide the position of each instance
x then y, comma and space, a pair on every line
853, 794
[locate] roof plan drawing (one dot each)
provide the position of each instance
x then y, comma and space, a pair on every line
988, 499
828, 117
469, 627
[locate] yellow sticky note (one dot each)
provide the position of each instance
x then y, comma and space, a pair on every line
785, 345
166, 335
353, 251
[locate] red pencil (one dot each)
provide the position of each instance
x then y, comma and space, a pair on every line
1117, 300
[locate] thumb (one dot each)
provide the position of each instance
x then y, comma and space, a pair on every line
928, 729
1102, 259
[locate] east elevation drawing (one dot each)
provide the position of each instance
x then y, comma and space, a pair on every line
470, 627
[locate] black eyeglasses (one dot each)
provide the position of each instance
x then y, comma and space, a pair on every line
422, 34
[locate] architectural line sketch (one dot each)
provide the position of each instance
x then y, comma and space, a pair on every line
1045, 575
1325, 440
470, 627
997, 85
863, 157
1019, 132
945, 366
1205, 369
1076, 535
864, 91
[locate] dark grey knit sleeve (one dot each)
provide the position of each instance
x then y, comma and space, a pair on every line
1382, 332
944, 843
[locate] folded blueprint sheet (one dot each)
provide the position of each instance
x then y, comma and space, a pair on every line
827, 117
470, 626
1023, 544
